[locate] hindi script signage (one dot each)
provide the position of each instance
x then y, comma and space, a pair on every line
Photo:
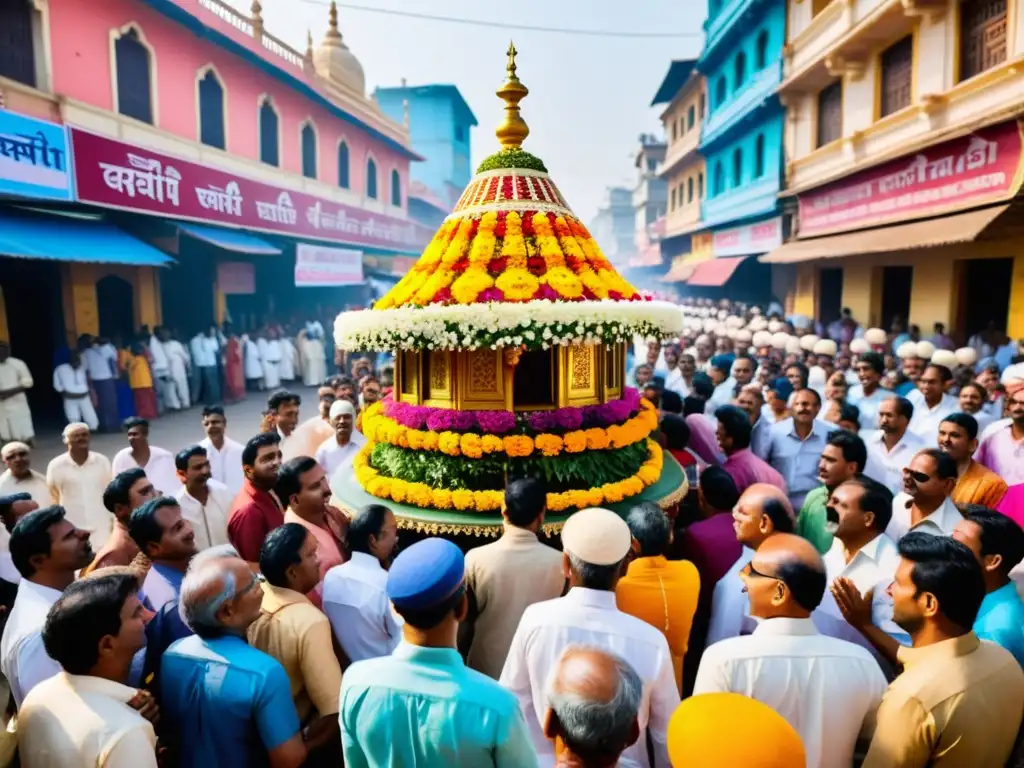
980, 168
748, 239
110, 173
33, 158
317, 266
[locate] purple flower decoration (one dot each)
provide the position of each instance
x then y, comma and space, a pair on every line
568, 418
547, 292
464, 420
541, 421
496, 422
490, 294
441, 419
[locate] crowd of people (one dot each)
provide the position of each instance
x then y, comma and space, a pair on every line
838, 589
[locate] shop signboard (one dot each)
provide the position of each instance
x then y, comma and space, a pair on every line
236, 278
320, 266
33, 158
116, 175
980, 168
760, 237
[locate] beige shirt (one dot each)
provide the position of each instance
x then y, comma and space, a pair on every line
79, 489
507, 577
71, 721
957, 704
209, 522
34, 485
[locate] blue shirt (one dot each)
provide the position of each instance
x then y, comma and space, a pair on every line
1001, 620
797, 460
225, 704
162, 585
423, 707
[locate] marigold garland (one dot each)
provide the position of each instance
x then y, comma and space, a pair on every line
422, 495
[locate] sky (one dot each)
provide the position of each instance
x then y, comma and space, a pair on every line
589, 96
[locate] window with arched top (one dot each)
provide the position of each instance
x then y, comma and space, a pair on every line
371, 178
739, 69
343, 172
270, 152
718, 179
396, 189
308, 137
689, 190
211, 111
737, 167
720, 91
759, 158
132, 65
761, 50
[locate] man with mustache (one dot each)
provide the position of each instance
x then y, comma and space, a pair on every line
1002, 450
926, 502
842, 459
977, 484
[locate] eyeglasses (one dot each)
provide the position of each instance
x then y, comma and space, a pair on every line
919, 477
752, 571
257, 578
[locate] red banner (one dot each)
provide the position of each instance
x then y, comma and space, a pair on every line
116, 175
980, 168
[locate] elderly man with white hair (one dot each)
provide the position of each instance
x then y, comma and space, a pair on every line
595, 543
19, 477
341, 447
77, 480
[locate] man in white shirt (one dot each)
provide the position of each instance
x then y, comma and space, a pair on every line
102, 369
762, 511
826, 688
158, 463
204, 502
83, 715
680, 378
71, 380
19, 477
15, 380
354, 593
925, 504
166, 396
47, 549
868, 395
595, 542
270, 356
179, 361
892, 446
13, 507
205, 351
225, 454
340, 448
933, 404
77, 480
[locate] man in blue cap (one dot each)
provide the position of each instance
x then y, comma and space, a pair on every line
422, 706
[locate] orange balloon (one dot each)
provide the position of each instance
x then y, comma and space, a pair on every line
728, 730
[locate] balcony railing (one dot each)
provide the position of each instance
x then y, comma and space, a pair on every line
750, 199
752, 94
254, 28
680, 150
717, 27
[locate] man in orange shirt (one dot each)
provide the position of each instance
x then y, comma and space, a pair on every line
662, 593
977, 484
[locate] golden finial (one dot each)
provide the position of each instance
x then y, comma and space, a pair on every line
257, 19
332, 31
513, 129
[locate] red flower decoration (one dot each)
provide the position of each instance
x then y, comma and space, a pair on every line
473, 227
444, 296
522, 190
614, 295
536, 265
497, 266
588, 294
528, 224
574, 263
506, 187
490, 294
492, 190
499, 228
460, 266
547, 292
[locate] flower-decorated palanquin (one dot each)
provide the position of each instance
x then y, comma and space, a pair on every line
510, 337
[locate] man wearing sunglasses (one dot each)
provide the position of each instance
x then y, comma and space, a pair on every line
786, 664
926, 502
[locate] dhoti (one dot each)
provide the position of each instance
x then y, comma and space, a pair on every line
15, 419
106, 402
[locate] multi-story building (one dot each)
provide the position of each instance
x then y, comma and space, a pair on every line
904, 156
614, 226
650, 201
215, 170
741, 140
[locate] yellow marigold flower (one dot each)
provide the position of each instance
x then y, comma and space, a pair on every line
597, 439
517, 284
648, 475
420, 495
632, 486
462, 499
415, 437
618, 436
575, 442
430, 440
471, 446
485, 501
399, 490
593, 282
469, 285
482, 250
518, 445
578, 499
448, 443
558, 502
513, 245
564, 282
492, 444
441, 498
549, 445
442, 278
460, 243
379, 487
595, 497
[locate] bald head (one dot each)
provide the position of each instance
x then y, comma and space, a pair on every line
759, 493
594, 700
214, 578
762, 511
794, 562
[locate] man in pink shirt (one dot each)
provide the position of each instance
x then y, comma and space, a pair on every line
1002, 451
741, 463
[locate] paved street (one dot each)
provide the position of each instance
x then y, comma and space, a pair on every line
175, 431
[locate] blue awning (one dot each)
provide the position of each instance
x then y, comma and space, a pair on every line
62, 238
230, 239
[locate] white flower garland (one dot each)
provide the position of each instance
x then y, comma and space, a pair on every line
535, 324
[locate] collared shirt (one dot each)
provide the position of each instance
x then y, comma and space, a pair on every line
730, 608
1001, 620
161, 366
224, 702
23, 658
70, 721
868, 404
35, 486
71, 381
797, 459
226, 464
885, 466
590, 617
357, 605
160, 469
162, 585
979, 485
204, 351
79, 489
100, 363
506, 577
761, 438
254, 514
941, 522
957, 704
1004, 455
209, 521
746, 469
675, 382
425, 707
119, 549
298, 635
332, 456
811, 520
330, 546
801, 674
872, 568
925, 421
664, 594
